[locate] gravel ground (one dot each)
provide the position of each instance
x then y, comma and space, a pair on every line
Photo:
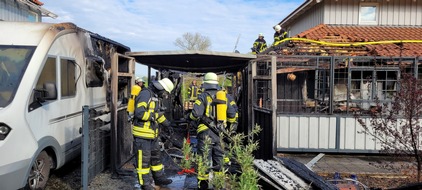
69, 178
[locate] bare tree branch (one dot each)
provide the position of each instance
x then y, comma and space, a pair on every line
191, 41
397, 127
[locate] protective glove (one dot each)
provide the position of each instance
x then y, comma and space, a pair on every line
130, 116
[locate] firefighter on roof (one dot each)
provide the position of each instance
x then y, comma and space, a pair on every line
148, 117
259, 45
210, 109
279, 35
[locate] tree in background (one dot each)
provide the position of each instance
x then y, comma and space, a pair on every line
398, 126
191, 41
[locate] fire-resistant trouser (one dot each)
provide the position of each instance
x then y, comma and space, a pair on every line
148, 159
215, 152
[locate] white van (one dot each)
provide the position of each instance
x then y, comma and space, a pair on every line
47, 73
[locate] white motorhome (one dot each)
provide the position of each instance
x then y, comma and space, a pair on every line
48, 72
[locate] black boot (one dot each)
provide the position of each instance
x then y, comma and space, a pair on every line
163, 181
203, 184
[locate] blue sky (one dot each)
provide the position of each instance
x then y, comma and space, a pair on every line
153, 25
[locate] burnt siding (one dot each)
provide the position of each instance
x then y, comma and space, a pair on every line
288, 90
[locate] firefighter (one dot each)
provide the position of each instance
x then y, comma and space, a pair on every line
259, 45
148, 117
135, 90
140, 82
203, 112
279, 35
193, 91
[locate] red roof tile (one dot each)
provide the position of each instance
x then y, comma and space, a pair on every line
39, 3
352, 34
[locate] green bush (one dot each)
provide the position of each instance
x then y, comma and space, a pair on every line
237, 151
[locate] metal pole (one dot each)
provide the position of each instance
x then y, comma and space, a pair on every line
274, 102
85, 146
331, 109
337, 145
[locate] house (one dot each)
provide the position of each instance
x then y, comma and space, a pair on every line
23, 10
388, 22
342, 56
353, 12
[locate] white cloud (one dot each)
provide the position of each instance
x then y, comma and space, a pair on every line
145, 25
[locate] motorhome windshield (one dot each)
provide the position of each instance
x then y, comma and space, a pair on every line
13, 63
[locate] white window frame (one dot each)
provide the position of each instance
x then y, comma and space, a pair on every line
32, 13
376, 5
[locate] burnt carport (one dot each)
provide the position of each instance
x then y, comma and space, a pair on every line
193, 60
219, 62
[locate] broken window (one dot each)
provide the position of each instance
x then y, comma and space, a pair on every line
262, 91
368, 87
94, 72
340, 85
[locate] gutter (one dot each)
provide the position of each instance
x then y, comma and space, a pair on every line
295, 12
35, 6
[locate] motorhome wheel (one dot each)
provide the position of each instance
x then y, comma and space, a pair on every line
40, 171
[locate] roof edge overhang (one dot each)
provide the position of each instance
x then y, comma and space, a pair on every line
38, 7
297, 12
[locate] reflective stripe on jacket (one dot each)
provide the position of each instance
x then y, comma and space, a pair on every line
193, 92
279, 36
259, 45
146, 118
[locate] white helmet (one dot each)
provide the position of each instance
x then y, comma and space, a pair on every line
277, 27
166, 84
211, 78
139, 79
260, 34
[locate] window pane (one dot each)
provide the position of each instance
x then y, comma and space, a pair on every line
13, 63
368, 13
48, 73
68, 84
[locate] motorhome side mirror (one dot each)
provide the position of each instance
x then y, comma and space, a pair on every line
50, 91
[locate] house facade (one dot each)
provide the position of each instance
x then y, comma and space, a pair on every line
353, 12
23, 10
344, 56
